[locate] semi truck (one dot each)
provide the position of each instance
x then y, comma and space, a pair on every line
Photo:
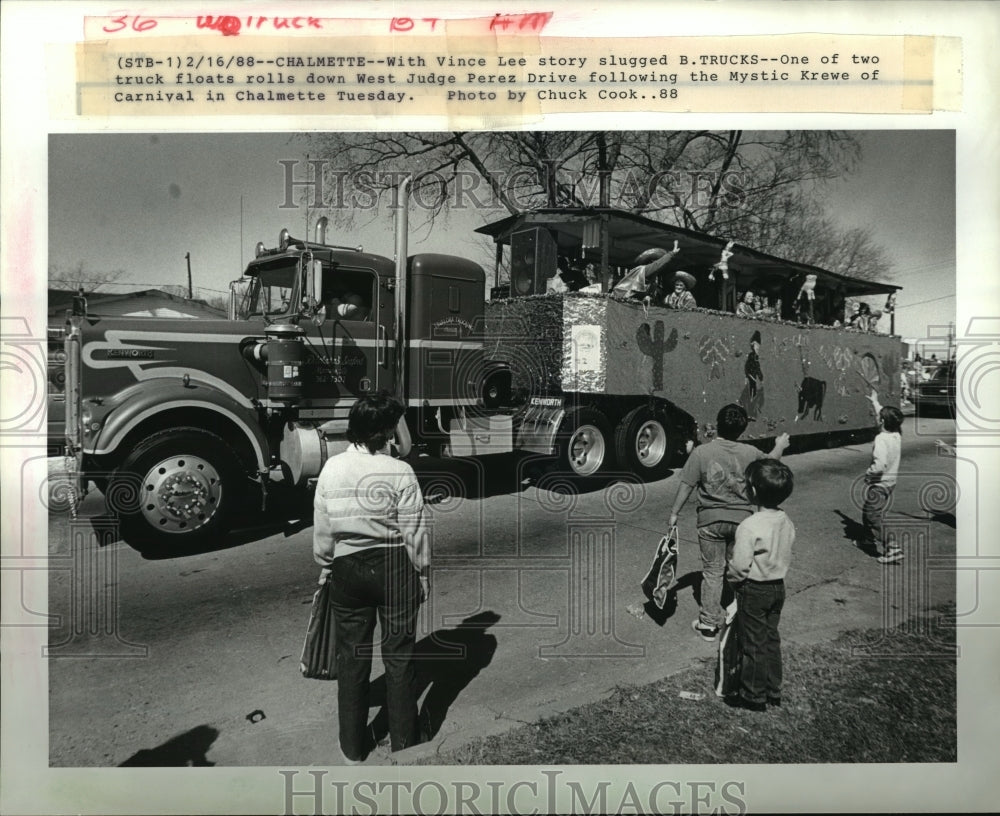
181, 423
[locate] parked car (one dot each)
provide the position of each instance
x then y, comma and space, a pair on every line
938, 393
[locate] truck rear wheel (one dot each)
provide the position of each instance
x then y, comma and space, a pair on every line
584, 442
176, 490
643, 443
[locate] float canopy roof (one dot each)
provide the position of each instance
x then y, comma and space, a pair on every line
577, 232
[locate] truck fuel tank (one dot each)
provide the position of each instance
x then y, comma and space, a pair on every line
479, 436
305, 448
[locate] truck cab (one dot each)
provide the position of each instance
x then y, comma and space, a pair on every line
177, 421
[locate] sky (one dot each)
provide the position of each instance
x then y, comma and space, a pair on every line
904, 191
140, 202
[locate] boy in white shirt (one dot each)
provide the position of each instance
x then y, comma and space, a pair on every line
757, 569
880, 480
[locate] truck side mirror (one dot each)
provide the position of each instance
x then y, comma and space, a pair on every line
317, 281
237, 289
314, 288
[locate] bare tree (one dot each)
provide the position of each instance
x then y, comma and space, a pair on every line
80, 277
510, 172
761, 189
817, 240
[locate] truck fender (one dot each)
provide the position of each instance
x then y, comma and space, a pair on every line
156, 398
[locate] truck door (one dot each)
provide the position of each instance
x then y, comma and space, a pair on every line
350, 350
446, 307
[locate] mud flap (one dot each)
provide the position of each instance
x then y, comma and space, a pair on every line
536, 432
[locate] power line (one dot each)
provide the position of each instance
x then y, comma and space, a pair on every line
920, 302
922, 278
925, 268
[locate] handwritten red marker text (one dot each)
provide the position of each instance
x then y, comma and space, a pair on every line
230, 25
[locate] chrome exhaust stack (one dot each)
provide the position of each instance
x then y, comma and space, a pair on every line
402, 227
403, 440
321, 226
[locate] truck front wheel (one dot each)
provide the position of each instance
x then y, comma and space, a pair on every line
584, 437
643, 443
176, 490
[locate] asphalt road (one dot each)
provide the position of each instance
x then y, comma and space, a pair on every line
193, 660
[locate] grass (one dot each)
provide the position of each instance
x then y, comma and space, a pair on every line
838, 706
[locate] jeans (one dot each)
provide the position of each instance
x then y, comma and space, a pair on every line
716, 542
383, 582
758, 614
876, 501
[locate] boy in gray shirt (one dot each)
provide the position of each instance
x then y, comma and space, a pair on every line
716, 469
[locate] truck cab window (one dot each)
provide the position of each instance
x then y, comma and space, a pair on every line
271, 291
349, 294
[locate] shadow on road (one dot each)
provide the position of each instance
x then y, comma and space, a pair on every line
446, 661
854, 531
689, 580
185, 750
289, 509
289, 512
506, 474
479, 478
948, 519
105, 532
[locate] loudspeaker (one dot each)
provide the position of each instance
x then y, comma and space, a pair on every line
532, 261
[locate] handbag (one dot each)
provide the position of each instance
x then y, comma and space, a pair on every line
663, 570
319, 652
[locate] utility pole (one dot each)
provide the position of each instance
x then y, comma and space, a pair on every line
190, 289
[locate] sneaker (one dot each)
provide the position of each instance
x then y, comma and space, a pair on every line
708, 633
891, 557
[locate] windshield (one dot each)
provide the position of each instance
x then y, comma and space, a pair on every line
270, 291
